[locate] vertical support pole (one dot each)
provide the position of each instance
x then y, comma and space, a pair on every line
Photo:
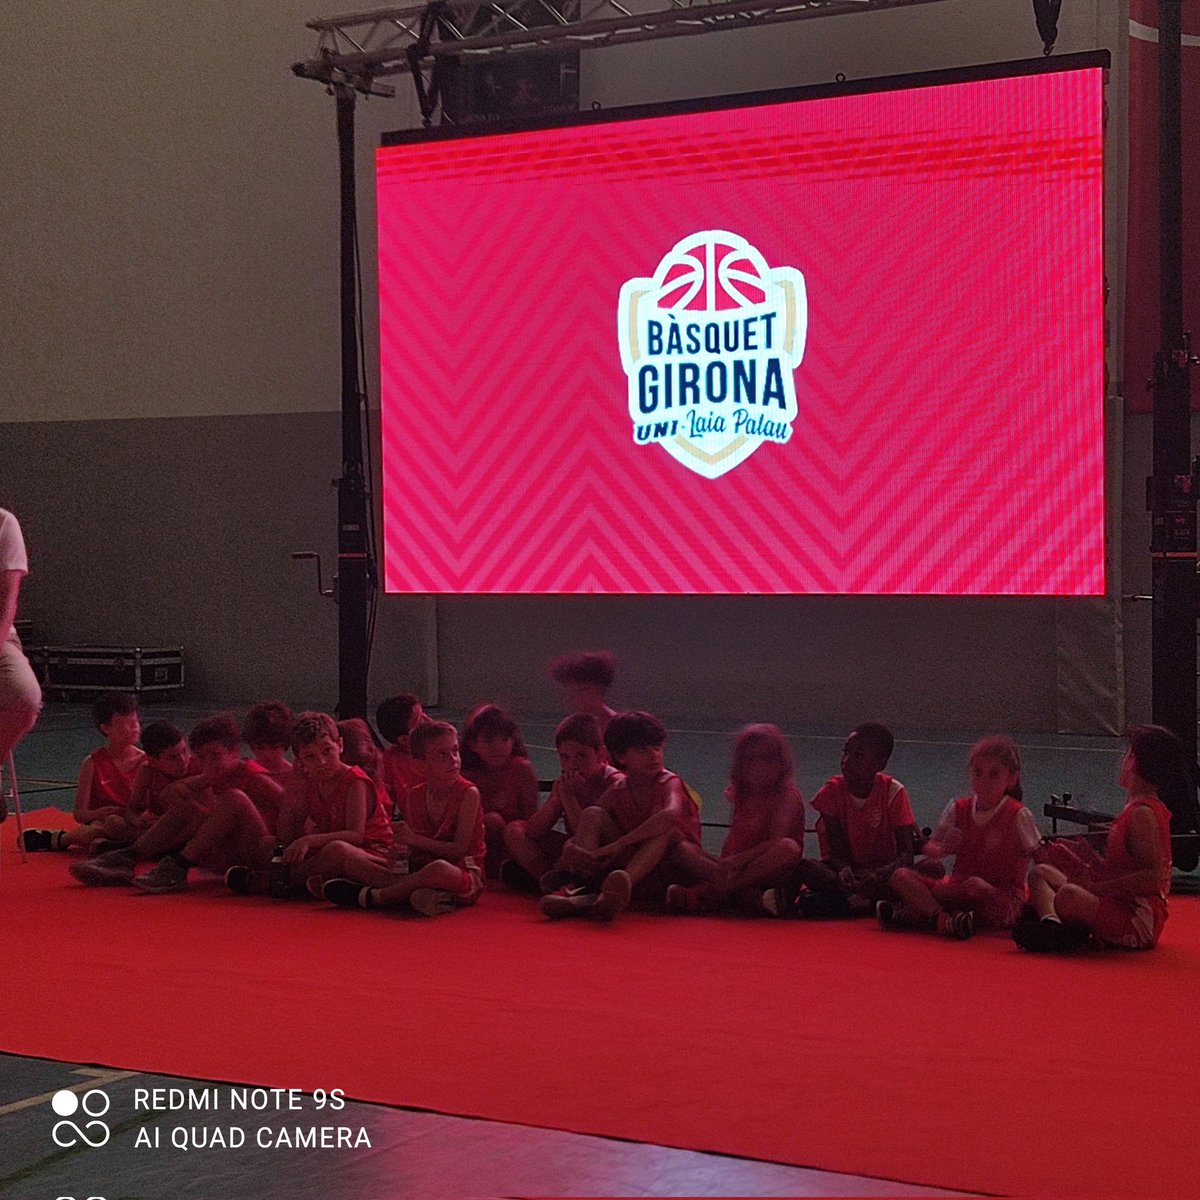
1174, 546
353, 584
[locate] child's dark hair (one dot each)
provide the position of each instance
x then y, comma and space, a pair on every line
754, 737
113, 704
629, 729
489, 721
312, 727
358, 745
1001, 749
394, 715
160, 736
268, 723
1158, 758
597, 667
221, 728
579, 727
878, 737
426, 734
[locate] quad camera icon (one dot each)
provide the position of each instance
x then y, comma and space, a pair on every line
90, 1107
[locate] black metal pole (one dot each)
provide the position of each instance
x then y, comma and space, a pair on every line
1173, 548
353, 583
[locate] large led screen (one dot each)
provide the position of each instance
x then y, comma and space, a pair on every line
849, 344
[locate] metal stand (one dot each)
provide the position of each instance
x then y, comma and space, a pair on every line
1174, 487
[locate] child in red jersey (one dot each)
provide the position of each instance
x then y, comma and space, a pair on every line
537, 844
442, 832
267, 730
765, 842
496, 762
105, 781
168, 760
865, 827
396, 717
644, 833
217, 771
1120, 897
992, 836
585, 679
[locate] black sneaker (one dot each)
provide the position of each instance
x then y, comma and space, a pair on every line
887, 914
819, 906
517, 879
1048, 936
39, 839
240, 880
957, 925
349, 893
169, 876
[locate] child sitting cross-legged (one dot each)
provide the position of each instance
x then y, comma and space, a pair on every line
865, 827
436, 862
766, 835
105, 781
643, 834
992, 837
536, 845
217, 772
168, 759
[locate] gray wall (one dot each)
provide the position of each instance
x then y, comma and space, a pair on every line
167, 416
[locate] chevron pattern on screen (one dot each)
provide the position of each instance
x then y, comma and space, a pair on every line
949, 436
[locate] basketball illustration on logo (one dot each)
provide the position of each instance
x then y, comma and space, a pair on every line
710, 344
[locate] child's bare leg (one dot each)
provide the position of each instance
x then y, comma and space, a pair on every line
1044, 883
341, 860
646, 856
529, 854
913, 892
773, 866
1076, 905
233, 833
440, 875
170, 833
596, 828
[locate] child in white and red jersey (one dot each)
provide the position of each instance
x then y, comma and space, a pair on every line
439, 840
865, 828
1121, 897
105, 781
992, 836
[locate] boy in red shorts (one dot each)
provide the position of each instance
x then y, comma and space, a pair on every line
442, 831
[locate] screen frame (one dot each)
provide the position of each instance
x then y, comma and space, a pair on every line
1084, 61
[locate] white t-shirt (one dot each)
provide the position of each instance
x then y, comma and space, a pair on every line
12, 556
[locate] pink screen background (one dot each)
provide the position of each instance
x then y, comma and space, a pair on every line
950, 433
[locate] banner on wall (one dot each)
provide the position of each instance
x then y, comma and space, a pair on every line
1142, 340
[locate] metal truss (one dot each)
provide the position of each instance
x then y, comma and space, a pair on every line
356, 49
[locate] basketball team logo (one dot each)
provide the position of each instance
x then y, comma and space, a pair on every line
710, 344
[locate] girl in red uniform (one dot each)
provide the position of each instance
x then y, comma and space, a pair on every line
766, 833
992, 836
1121, 897
495, 760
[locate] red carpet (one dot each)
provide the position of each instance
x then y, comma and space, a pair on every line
836, 1046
